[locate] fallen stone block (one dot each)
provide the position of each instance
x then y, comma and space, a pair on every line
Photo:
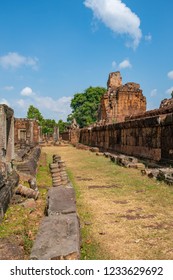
139, 166
94, 149
58, 239
99, 154
27, 192
108, 155
113, 158
61, 200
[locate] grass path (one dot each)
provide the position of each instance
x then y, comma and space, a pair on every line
123, 215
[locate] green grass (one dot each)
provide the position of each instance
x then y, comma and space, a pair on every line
90, 249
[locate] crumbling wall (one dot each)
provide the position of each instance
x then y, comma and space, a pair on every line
8, 177
26, 132
65, 136
149, 137
7, 185
120, 100
74, 136
27, 165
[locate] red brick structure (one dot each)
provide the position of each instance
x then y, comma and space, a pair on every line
27, 132
120, 100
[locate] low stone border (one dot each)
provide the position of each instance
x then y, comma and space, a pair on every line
59, 234
161, 174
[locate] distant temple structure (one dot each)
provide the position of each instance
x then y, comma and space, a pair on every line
26, 132
120, 100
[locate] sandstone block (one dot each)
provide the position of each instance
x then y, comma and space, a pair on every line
57, 239
61, 200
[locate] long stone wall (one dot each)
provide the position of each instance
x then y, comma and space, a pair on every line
150, 137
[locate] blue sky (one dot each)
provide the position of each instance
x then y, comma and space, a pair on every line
52, 49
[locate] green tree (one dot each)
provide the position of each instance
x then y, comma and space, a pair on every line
62, 126
85, 106
34, 113
46, 124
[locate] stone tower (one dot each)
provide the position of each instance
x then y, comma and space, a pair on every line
114, 80
120, 100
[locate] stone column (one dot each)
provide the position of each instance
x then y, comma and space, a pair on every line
10, 142
31, 132
3, 133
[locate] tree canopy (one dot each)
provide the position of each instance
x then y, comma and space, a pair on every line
62, 126
85, 106
46, 124
34, 113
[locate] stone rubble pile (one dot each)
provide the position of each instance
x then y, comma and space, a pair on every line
125, 161
29, 166
161, 174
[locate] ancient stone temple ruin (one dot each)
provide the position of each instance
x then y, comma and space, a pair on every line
120, 100
124, 126
26, 132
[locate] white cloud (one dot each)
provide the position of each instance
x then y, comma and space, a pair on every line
8, 88
148, 37
170, 75
118, 17
169, 91
4, 101
153, 92
125, 64
21, 102
49, 107
122, 65
114, 64
60, 106
15, 60
27, 91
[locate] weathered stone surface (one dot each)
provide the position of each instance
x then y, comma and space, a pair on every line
33, 183
161, 174
94, 149
149, 138
26, 132
58, 239
27, 192
165, 103
58, 172
120, 100
6, 133
61, 200
2, 180
6, 192
29, 165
